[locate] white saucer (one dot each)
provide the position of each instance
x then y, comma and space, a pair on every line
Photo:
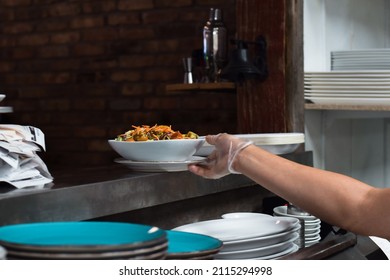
240, 229
282, 211
156, 166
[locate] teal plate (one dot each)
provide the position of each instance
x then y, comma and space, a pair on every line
187, 244
80, 236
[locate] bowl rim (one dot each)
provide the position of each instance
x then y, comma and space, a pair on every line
158, 141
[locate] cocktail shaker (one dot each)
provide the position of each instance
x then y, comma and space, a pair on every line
214, 45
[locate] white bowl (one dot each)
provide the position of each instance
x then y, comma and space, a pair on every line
160, 150
239, 215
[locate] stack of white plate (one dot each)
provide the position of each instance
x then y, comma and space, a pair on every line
363, 59
255, 237
277, 143
353, 87
191, 246
83, 240
312, 224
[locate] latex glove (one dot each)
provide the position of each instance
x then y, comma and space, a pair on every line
220, 162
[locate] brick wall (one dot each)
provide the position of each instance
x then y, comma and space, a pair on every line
84, 71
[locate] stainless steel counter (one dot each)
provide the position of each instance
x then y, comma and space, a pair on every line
100, 192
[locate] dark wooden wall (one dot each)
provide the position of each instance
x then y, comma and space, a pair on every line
275, 104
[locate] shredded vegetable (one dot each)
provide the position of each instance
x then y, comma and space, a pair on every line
154, 133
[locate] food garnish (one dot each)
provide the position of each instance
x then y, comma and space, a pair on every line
154, 133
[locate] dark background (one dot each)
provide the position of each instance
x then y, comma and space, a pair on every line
85, 71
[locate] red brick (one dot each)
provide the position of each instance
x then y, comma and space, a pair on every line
51, 25
136, 34
136, 61
159, 46
66, 37
88, 49
170, 3
7, 66
99, 6
64, 9
125, 104
22, 53
130, 5
33, 40
89, 104
160, 17
17, 28
7, 41
137, 89
54, 78
87, 22
124, 18
14, 3
126, 76
53, 51
57, 104
100, 34
155, 103
163, 74
89, 131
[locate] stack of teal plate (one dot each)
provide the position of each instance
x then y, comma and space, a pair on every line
83, 240
191, 246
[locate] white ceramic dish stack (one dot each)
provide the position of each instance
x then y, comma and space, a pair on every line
255, 237
312, 224
357, 77
360, 59
353, 87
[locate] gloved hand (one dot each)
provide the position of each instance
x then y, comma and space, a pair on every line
220, 162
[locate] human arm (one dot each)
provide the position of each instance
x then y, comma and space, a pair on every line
338, 199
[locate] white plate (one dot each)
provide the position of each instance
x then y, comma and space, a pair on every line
282, 211
239, 229
260, 241
312, 239
312, 223
257, 252
6, 109
276, 143
314, 234
163, 166
349, 95
239, 215
350, 101
309, 229
289, 250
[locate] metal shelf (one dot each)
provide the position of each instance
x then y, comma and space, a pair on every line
310, 106
223, 86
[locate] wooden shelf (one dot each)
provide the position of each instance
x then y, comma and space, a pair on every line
310, 106
201, 87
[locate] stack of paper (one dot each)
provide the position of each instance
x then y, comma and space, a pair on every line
20, 165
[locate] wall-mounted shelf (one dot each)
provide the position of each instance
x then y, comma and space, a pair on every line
310, 106
224, 86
